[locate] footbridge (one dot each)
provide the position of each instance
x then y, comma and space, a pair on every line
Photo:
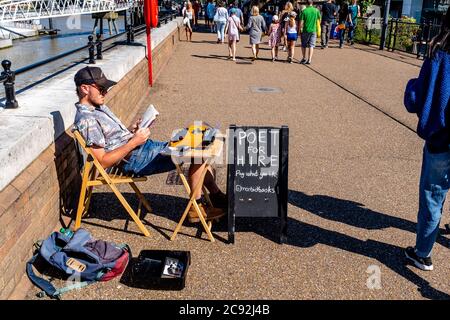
21, 10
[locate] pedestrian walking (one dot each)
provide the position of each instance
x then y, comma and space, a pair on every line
428, 96
239, 13
354, 12
284, 19
197, 8
308, 27
343, 23
328, 15
274, 36
209, 15
220, 18
291, 35
256, 26
183, 9
188, 20
232, 30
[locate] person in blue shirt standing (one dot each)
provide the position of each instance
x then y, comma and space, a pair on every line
210, 11
428, 97
354, 12
238, 11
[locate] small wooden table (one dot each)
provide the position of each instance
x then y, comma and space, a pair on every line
207, 157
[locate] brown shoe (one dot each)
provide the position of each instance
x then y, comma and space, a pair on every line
219, 200
193, 215
214, 213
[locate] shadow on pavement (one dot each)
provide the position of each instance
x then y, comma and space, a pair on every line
225, 57
261, 48
239, 59
211, 56
353, 214
106, 207
305, 235
205, 41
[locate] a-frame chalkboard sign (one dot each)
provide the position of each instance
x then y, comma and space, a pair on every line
257, 180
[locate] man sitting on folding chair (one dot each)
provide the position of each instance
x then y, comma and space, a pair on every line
114, 144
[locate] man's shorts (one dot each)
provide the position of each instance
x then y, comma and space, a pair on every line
147, 160
309, 40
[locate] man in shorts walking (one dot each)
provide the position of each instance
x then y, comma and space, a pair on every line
309, 19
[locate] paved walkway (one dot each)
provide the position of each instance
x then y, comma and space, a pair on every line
353, 179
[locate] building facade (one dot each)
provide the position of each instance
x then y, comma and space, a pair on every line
421, 10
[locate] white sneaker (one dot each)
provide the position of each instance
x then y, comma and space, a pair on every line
422, 263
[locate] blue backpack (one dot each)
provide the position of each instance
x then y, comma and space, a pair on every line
81, 258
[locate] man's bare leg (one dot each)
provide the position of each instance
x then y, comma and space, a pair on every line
218, 199
311, 51
195, 171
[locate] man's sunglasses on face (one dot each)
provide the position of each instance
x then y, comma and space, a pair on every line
103, 91
100, 89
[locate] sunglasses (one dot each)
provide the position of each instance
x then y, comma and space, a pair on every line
103, 91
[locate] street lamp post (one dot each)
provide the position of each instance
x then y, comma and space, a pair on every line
387, 7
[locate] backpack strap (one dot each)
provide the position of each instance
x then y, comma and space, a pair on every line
41, 283
125, 247
76, 285
46, 286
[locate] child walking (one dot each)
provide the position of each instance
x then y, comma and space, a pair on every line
232, 30
274, 36
291, 35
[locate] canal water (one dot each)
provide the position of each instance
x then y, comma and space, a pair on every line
74, 32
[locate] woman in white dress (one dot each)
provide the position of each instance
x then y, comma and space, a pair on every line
188, 20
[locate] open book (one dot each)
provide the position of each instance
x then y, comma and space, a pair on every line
149, 116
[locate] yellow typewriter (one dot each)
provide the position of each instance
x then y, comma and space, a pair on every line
196, 137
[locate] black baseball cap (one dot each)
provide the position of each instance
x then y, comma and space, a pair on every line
91, 75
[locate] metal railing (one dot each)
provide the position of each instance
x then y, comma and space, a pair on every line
19, 10
136, 27
401, 35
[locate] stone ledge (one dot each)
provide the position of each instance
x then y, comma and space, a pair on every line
5, 43
47, 110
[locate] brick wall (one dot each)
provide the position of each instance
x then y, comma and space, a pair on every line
45, 194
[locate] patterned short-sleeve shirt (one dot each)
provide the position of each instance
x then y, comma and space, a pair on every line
100, 127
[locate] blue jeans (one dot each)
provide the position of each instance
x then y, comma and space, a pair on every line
221, 30
341, 37
147, 160
433, 188
351, 33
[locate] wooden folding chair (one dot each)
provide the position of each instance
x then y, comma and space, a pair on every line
95, 175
